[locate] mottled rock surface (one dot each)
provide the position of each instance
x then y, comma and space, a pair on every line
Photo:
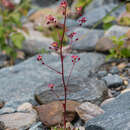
116, 116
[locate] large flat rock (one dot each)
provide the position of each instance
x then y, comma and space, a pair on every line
80, 90
19, 82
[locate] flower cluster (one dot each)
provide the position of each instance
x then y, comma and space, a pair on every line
75, 59
79, 10
50, 19
82, 20
63, 4
71, 36
54, 46
51, 86
8, 4
39, 58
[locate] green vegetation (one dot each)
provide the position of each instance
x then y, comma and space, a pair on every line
10, 38
119, 50
52, 32
83, 3
107, 22
125, 21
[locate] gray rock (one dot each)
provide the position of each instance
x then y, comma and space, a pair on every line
114, 70
37, 126
1, 103
69, 23
7, 110
113, 80
2, 125
20, 121
116, 116
43, 3
18, 83
3, 60
16, 1
96, 14
79, 90
116, 30
87, 39
35, 41
118, 11
101, 74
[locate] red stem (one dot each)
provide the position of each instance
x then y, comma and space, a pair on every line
70, 73
62, 65
52, 69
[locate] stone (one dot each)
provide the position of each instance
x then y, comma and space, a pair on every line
116, 116
52, 114
1, 104
16, 1
19, 82
93, 17
70, 23
87, 39
37, 126
122, 65
113, 80
32, 45
88, 111
101, 74
116, 30
39, 18
25, 107
104, 44
114, 70
43, 3
80, 90
7, 110
107, 101
124, 19
2, 125
3, 60
18, 120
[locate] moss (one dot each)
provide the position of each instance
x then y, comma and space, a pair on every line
125, 21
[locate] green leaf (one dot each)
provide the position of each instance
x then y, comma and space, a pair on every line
17, 39
16, 18
108, 19
122, 37
107, 26
114, 38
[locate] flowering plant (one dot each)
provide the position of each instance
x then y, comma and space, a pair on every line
59, 46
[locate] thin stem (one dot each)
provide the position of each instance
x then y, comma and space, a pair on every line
52, 68
55, 94
62, 65
70, 73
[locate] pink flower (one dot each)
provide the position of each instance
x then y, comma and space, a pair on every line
39, 58
79, 10
8, 4
71, 35
75, 58
50, 19
51, 86
54, 46
63, 4
82, 20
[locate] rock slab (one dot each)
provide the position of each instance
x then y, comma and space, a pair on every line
116, 116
